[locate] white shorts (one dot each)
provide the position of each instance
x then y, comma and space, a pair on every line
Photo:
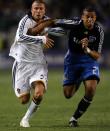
24, 74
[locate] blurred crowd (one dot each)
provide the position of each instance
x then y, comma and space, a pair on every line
11, 11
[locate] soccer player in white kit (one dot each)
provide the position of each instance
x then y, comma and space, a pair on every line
30, 67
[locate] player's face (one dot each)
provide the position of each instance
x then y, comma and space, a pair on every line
89, 19
38, 11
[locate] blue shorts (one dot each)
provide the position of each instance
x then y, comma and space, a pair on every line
78, 71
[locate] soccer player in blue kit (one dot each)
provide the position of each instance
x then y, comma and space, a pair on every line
80, 63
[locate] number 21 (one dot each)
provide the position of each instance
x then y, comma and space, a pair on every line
95, 70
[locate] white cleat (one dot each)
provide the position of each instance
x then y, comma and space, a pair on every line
24, 123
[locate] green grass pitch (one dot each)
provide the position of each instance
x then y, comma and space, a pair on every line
55, 110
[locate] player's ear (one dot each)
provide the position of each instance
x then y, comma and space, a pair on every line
95, 18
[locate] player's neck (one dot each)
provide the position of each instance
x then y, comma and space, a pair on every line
88, 27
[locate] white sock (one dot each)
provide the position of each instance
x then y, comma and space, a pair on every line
72, 119
32, 108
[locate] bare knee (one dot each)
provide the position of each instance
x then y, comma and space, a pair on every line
90, 92
38, 96
38, 92
67, 94
68, 91
90, 88
24, 99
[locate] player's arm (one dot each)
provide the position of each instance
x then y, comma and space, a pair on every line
66, 23
22, 35
94, 54
40, 27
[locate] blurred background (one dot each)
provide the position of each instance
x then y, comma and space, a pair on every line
11, 11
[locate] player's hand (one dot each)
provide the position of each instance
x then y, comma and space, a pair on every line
84, 43
49, 43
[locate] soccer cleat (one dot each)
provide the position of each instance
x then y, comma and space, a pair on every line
73, 122
24, 123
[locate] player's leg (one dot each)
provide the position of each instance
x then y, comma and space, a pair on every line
21, 89
24, 98
38, 82
69, 90
71, 84
21, 85
71, 79
39, 90
90, 87
37, 97
90, 83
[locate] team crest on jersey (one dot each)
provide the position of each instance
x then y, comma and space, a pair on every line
92, 39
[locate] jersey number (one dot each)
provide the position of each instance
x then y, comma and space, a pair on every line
95, 70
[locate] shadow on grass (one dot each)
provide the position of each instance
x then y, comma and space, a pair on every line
88, 126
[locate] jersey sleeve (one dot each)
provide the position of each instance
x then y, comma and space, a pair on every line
57, 31
67, 23
22, 36
100, 38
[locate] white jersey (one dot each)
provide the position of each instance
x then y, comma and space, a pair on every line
27, 48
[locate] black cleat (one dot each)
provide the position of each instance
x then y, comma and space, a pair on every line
73, 123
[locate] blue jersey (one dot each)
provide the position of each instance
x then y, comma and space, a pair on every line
79, 66
77, 32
